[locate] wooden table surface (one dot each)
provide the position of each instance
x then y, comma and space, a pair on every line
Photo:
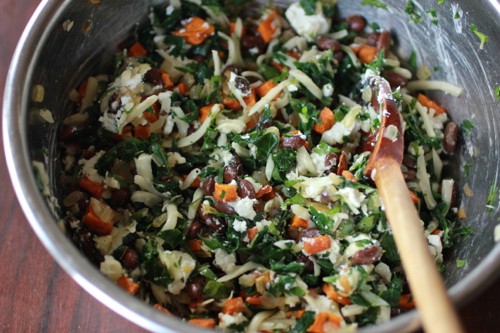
38, 296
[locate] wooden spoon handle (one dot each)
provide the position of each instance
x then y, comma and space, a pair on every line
435, 308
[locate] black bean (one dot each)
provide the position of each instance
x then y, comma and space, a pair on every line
153, 76
246, 189
310, 233
119, 198
450, 137
410, 175
231, 68
224, 207
252, 39
194, 288
114, 103
130, 259
194, 229
85, 240
394, 79
213, 223
409, 162
373, 38
302, 258
207, 186
327, 43
294, 142
384, 42
243, 85
232, 171
367, 255
338, 55
356, 23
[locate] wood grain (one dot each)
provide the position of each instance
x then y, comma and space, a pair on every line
37, 296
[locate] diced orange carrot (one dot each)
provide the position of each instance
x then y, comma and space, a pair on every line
267, 189
367, 53
252, 232
195, 31
255, 300
437, 232
251, 99
325, 322
204, 112
317, 244
167, 82
195, 183
430, 104
297, 222
332, 294
277, 65
151, 117
82, 90
142, 132
202, 322
93, 220
327, 118
161, 308
297, 314
250, 124
137, 50
195, 304
264, 88
231, 103
94, 188
233, 305
414, 197
406, 302
195, 244
294, 54
225, 192
127, 131
349, 176
128, 285
181, 88
267, 28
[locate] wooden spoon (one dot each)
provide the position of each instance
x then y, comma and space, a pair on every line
384, 167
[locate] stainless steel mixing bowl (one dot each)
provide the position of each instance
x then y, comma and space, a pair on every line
57, 59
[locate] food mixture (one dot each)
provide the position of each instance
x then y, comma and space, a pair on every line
218, 173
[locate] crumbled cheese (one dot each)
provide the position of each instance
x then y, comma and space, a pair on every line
240, 226
353, 198
244, 207
224, 260
328, 90
89, 169
344, 128
319, 162
226, 320
180, 265
111, 268
305, 25
436, 247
